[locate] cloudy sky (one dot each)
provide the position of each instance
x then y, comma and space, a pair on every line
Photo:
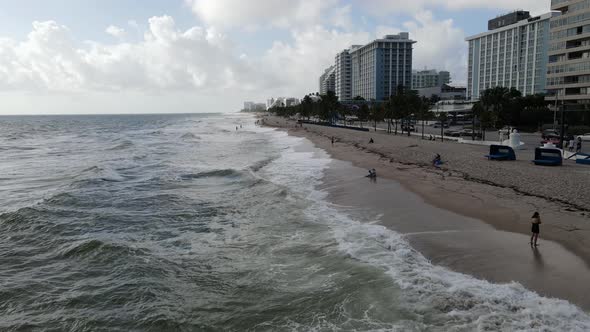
136, 56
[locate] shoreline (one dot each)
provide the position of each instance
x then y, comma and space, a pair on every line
506, 210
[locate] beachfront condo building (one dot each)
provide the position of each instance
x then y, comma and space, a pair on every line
512, 54
343, 76
382, 65
429, 78
328, 81
568, 74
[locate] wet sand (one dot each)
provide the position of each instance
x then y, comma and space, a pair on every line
460, 243
471, 227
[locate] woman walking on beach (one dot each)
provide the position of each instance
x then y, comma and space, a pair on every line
536, 221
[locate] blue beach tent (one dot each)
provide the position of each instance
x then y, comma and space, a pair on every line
548, 157
583, 161
501, 152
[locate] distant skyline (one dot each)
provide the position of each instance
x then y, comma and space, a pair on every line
138, 56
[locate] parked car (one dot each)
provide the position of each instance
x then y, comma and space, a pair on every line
469, 133
548, 133
585, 137
552, 140
410, 127
437, 125
452, 133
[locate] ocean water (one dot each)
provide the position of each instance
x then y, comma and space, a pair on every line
183, 223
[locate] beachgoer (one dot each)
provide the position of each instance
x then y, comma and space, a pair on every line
370, 174
371, 141
579, 145
437, 161
374, 173
536, 221
236, 128
332, 140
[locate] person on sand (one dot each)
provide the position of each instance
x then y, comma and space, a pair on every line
371, 141
437, 161
535, 221
332, 140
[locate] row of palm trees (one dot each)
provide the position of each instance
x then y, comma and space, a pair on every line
402, 106
496, 108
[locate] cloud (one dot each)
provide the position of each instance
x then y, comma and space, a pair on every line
300, 63
255, 14
440, 44
115, 31
389, 7
49, 59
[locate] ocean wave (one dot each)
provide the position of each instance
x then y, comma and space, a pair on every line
96, 247
445, 299
261, 164
126, 144
223, 173
95, 175
190, 137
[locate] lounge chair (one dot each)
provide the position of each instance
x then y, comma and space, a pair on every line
501, 152
585, 160
548, 157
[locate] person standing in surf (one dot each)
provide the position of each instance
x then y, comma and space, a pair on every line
536, 221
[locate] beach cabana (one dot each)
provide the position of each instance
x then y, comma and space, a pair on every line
501, 152
583, 159
548, 157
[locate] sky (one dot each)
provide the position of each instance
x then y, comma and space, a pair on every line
184, 56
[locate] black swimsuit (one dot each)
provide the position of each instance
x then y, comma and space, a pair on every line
535, 228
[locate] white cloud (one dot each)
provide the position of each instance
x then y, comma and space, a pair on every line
269, 13
313, 50
388, 7
115, 31
440, 44
197, 59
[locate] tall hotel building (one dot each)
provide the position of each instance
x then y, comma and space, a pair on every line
343, 76
379, 67
328, 81
512, 54
568, 74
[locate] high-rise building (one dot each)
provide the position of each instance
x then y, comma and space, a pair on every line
422, 79
568, 72
382, 65
512, 56
248, 105
508, 19
328, 81
343, 75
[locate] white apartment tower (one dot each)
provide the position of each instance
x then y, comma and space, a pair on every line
328, 81
343, 76
568, 75
513, 54
382, 65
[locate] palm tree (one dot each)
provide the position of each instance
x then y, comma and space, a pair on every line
424, 112
376, 114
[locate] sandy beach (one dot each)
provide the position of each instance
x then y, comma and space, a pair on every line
478, 220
